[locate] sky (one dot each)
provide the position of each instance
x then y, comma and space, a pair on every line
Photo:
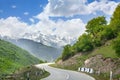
64, 18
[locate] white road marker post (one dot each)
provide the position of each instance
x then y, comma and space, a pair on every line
110, 75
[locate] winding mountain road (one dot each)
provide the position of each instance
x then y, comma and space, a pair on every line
60, 74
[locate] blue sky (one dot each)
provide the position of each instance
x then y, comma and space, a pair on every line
58, 17
21, 8
26, 9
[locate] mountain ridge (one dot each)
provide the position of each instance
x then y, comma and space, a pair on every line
39, 50
49, 40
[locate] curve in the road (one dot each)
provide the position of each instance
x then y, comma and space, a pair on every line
60, 74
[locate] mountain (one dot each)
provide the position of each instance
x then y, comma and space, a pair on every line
46, 47
39, 50
46, 39
50, 39
13, 57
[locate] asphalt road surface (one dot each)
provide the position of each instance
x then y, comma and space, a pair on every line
60, 74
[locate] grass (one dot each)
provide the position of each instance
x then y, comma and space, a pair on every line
105, 51
27, 73
13, 58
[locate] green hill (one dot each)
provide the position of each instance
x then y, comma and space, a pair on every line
13, 58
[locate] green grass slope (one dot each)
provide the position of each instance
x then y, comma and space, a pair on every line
106, 51
13, 57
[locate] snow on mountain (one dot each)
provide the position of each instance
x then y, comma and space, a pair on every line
46, 39
49, 39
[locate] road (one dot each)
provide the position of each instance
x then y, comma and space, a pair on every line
60, 74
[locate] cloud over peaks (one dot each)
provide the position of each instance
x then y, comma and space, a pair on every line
13, 27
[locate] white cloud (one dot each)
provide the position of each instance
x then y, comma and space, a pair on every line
12, 27
71, 28
32, 20
64, 7
42, 16
69, 8
26, 13
13, 6
104, 6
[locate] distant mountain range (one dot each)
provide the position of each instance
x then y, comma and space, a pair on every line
45, 47
37, 49
49, 40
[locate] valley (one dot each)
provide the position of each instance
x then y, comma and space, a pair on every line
60, 40
39, 50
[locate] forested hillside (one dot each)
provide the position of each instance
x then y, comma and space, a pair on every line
13, 58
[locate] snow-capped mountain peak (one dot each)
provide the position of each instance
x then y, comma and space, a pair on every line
46, 39
50, 39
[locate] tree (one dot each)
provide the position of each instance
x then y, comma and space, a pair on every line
95, 25
115, 21
94, 28
107, 33
84, 43
116, 45
67, 52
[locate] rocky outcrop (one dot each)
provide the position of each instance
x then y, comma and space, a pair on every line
104, 65
70, 61
98, 63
